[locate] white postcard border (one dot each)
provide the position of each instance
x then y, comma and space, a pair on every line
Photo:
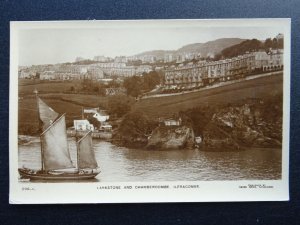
179, 191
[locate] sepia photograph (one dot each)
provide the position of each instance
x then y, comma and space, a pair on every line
147, 108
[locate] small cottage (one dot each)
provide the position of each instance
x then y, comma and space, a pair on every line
83, 125
172, 122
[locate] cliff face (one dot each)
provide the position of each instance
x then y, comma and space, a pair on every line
234, 127
163, 137
256, 123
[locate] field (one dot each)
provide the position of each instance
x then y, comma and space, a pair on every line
27, 86
28, 118
257, 88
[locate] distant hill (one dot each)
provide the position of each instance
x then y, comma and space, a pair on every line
207, 48
251, 45
210, 47
242, 48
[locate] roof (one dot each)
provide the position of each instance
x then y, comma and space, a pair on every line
103, 113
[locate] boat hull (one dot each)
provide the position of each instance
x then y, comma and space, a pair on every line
37, 175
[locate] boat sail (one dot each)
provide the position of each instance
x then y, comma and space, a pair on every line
46, 114
86, 155
55, 155
55, 146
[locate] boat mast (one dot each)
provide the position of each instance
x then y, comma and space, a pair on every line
40, 127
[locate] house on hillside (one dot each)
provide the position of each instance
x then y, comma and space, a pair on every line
48, 75
83, 125
100, 115
172, 122
106, 127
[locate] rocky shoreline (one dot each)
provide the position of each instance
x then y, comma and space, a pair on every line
256, 123
171, 138
240, 127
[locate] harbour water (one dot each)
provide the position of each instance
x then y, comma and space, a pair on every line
119, 164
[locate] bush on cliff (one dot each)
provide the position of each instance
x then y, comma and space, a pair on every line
119, 105
135, 129
198, 117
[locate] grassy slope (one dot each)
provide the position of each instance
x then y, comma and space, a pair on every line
257, 88
79, 99
52, 93
28, 111
71, 104
27, 86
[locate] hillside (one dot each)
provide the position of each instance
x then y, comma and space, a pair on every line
251, 45
257, 88
210, 47
71, 104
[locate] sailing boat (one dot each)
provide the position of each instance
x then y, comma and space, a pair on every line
55, 156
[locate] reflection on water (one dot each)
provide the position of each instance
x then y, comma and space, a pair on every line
123, 164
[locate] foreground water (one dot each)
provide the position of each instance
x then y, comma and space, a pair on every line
123, 164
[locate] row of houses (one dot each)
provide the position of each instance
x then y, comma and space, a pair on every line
121, 69
150, 58
202, 72
93, 71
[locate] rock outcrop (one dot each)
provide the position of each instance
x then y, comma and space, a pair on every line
216, 139
234, 127
224, 128
168, 137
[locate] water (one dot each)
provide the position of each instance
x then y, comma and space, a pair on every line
122, 164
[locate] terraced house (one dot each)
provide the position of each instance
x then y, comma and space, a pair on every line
202, 73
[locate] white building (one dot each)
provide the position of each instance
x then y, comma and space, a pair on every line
101, 116
48, 75
106, 127
172, 122
101, 58
83, 125
26, 74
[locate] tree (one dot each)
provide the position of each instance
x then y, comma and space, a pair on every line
280, 43
151, 79
275, 43
136, 125
94, 121
96, 89
72, 88
119, 105
242, 48
268, 43
133, 85
113, 84
86, 84
198, 117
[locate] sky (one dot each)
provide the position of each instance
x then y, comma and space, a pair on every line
52, 45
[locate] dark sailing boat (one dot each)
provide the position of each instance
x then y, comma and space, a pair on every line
55, 155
